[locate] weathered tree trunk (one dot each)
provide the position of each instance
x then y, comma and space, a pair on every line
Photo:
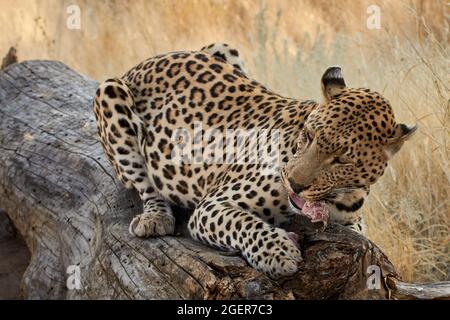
62, 196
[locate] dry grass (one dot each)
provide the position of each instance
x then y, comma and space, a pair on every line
287, 45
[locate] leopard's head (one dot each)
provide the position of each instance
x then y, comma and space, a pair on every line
344, 146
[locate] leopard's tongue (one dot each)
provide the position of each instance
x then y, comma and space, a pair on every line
299, 202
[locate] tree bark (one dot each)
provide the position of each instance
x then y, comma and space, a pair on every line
63, 197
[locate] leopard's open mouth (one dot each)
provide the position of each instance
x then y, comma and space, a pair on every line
316, 211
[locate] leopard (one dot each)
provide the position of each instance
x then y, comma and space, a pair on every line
155, 125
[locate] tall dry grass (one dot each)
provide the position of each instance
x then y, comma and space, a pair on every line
287, 45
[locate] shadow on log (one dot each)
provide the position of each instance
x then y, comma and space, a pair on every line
61, 194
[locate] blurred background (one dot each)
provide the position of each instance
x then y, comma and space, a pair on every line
287, 44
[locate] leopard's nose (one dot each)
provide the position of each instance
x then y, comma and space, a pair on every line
297, 188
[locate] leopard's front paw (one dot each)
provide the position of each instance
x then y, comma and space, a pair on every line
152, 225
277, 254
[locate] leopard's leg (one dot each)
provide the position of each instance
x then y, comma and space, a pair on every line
123, 138
226, 53
226, 225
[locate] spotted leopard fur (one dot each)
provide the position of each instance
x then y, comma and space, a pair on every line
331, 151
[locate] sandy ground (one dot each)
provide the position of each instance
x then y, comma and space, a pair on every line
14, 257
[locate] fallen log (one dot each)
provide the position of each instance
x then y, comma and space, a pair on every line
62, 196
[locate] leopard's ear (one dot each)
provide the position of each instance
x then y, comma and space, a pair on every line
402, 133
333, 82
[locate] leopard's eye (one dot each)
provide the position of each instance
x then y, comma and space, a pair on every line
337, 160
340, 161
